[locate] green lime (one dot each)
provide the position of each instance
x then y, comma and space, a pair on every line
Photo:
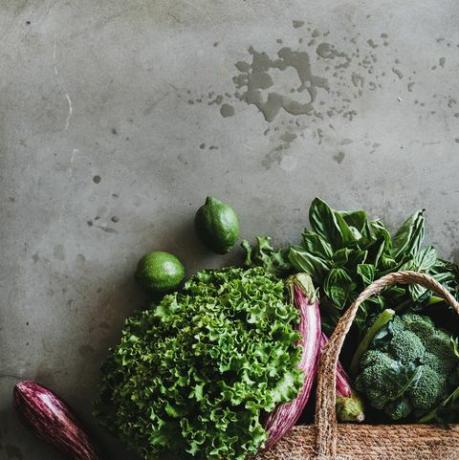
160, 271
217, 225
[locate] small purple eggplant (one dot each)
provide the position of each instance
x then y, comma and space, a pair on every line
52, 420
303, 296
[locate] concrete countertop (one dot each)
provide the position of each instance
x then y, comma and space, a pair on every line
118, 118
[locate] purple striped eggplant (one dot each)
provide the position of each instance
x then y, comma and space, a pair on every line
349, 406
52, 420
303, 296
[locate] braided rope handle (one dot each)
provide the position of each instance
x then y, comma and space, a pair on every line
325, 418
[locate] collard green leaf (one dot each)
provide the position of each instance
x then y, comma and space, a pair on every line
357, 222
423, 262
317, 245
408, 239
330, 224
311, 264
338, 287
341, 256
366, 272
379, 231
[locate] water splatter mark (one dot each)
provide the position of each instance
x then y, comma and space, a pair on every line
115, 219
372, 44
255, 78
202, 146
339, 157
410, 86
297, 24
346, 141
97, 179
397, 72
276, 155
329, 51
442, 61
288, 137
357, 80
217, 100
227, 110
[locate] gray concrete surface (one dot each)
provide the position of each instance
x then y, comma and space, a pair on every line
117, 119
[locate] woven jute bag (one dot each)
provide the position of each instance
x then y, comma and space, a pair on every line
328, 440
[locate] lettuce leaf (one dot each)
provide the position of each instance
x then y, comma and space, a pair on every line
194, 375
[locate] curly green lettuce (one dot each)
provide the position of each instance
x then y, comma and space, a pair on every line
194, 376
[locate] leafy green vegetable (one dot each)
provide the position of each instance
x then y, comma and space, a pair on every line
193, 376
345, 251
409, 367
263, 254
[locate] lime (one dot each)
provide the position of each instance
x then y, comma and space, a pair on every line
217, 225
160, 271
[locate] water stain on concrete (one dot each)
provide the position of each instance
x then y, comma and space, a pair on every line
372, 44
357, 80
339, 157
397, 72
329, 51
80, 261
107, 229
255, 77
297, 24
227, 110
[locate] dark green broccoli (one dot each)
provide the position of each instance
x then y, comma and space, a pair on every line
408, 368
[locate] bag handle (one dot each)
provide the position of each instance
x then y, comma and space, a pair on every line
325, 418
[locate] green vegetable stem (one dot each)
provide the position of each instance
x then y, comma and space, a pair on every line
381, 320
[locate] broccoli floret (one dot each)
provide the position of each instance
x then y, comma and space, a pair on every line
406, 346
440, 344
410, 366
374, 364
427, 388
397, 410
422, 326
